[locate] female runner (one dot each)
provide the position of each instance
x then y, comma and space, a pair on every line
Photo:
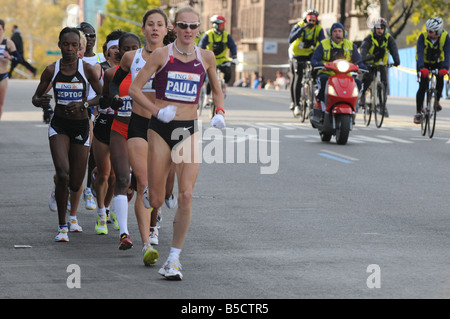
180, 71
154, 28
6, 46
104, 174
69, 127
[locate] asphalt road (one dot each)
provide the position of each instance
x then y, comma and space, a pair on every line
283, 216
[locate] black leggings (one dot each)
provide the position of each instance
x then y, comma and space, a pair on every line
297, 75
423, 85
226, 70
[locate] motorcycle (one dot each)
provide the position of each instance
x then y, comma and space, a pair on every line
341, 98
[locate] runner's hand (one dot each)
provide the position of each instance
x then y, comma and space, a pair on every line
167, 114
218, 121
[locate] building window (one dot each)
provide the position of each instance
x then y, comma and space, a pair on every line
224, 4
255, 1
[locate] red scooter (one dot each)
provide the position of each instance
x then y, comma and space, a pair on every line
341, 97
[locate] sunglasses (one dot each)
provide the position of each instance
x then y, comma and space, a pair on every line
185, 25
90, 35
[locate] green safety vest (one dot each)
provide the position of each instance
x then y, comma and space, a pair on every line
345, 45
376, 46
307, 42
434, 53
218, 43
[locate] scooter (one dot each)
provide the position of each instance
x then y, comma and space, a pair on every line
341, 98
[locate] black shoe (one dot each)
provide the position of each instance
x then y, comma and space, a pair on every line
418, 118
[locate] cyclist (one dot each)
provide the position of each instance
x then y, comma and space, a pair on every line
305, 36
433, 52
219, 41
379, 43
332, 49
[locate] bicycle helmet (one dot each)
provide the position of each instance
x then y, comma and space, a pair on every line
380, 23
435, 24
312, 12
217, 19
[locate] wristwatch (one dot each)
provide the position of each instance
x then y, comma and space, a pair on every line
85, 106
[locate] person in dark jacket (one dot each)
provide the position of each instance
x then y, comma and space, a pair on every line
17, 39
380, 44
432, 52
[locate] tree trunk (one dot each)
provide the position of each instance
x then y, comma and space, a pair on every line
384, 10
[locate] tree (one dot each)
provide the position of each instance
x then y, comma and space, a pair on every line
399, 13
120, 13
39, 20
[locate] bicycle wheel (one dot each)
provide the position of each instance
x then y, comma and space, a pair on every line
201, 101
309, 99
368, 107
424, 123
212, 110
380, 104
432, 113
303, 103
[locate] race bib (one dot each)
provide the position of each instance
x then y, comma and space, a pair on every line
2, 50
182, 86
69, 92
127, 107
149, 85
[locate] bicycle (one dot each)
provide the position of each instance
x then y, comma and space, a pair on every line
201, 99
306, 101
431, 107
222, 84
376, 96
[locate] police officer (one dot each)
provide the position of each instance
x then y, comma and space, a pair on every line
219, 41
378, 43
305, 36
433, 52
336, 47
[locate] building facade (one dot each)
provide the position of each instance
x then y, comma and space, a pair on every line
260, 28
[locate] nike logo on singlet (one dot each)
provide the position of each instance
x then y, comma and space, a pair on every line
187, 128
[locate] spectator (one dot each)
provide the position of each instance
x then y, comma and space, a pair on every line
241, 83
17, 39
269, 85
280, 81
256, 82
262, 83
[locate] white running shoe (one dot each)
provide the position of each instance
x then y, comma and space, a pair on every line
89, 199
154, 236
150, 254
171, 202
62, 234
52, 201
74, 226
145, 199
171, 270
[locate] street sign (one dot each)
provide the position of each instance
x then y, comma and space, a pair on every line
53, 52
